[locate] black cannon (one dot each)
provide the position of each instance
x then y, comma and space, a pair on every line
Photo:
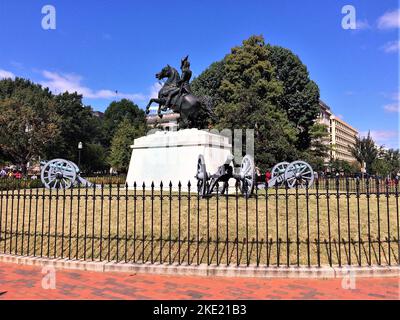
207, 183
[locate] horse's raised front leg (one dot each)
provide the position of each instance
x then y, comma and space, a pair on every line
159, 110
149, 104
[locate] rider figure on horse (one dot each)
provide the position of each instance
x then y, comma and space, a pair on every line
183, 83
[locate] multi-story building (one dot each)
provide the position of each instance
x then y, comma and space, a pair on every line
341, 135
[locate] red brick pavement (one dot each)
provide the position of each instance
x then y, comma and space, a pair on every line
25, 282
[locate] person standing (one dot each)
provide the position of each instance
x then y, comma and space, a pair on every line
267, 176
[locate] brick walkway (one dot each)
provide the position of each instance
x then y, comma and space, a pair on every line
26, 282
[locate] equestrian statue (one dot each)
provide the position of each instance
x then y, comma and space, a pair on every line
176, 95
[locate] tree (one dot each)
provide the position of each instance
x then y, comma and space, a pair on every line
117, 111
365, 151
381, 167
248, 92
300, 99
28, 120
392, 157
208, 83
120, 151
94, 158
77, 124
320, 147
343, 166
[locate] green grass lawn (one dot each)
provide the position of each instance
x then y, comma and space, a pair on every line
248, 231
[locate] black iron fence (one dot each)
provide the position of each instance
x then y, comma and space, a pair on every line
328, 224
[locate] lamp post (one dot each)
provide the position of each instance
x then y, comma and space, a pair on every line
80, 147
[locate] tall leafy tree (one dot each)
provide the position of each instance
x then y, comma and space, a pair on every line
381, 167
120, 152
392, 158
300, 99
76, 123
28, 120
320, 148
94, 158
365, 151
117, 111
249, 92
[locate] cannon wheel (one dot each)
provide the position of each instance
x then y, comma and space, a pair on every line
247, 176
58, 174
300, 172
279, 170
201, 176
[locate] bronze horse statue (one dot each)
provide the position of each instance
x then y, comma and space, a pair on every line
186, 104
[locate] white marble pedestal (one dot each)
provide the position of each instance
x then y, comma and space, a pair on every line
172, 156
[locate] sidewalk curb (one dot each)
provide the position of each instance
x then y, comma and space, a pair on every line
324, 272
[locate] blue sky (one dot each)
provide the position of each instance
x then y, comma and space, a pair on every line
101, 46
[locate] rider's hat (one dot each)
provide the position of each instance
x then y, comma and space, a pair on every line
185, 61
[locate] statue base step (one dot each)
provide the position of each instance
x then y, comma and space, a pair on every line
171, 156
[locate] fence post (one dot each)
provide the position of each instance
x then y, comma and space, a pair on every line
152, 223
266, 226
369, 221
308, 223
170, 223
327, 194
348, 221
287, 224
86, 221
109, 221
93, 218
101, 220
297, 219
237, 221
134, 219
56, 225
388, 220
379, 218
217, 222
1, 209
277, 223
188, 224
118, 219
227, 222
143, 219
318, 224
397, 218
29, 219
126, 223
257, 249
338, 221
161, 222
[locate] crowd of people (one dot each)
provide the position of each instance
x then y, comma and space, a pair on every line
11, 173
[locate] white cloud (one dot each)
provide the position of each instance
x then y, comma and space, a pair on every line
61, 82
4, 74
362, 25
155, 88
389, 20
392, 46
395, 105
154, 93
392, 107
387, 138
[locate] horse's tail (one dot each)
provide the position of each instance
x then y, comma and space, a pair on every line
207, 105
